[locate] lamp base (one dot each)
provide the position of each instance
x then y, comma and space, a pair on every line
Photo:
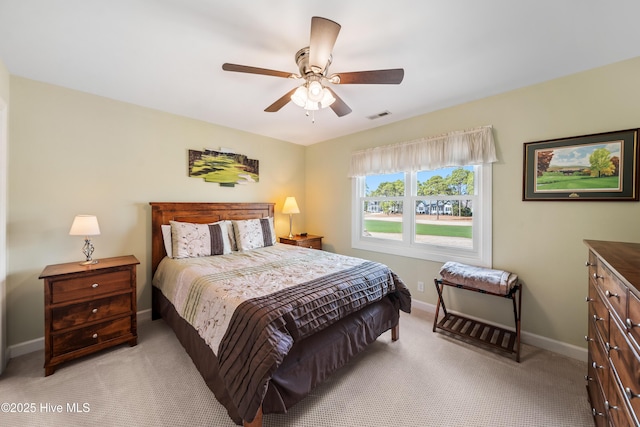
90, 262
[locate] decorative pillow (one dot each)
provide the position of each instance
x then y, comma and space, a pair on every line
228, 225
196, 240
254, 233
166, 238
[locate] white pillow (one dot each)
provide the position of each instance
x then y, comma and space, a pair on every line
166, 238
195, 240
254, 233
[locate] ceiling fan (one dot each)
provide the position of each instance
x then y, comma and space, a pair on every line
313, 62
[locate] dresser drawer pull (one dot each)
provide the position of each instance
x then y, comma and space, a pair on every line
610, 406
586, 338
630, 394
588, 264
609, 348
95, 285
94, 311
596, 413
610, 295
595, 276
596, 366
94, 336
596, 318
630, 323
588, 378
587, 299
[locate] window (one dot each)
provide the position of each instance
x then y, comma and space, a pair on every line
438, 214
449, 215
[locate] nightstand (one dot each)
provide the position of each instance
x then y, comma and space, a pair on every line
308, 241
88, 308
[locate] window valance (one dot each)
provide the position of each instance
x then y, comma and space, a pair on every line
459, 148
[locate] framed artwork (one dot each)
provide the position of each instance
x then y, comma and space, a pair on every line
601, 166
227, 169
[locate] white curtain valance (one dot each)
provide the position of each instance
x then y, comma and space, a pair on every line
460, 148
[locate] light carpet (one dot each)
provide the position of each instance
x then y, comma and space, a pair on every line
424, 379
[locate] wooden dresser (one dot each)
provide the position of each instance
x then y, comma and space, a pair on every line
88, 308
613, 378
308, 241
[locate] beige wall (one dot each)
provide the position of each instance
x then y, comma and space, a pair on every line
4, 107
73, 153
541, 241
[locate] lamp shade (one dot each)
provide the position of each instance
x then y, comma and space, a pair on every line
290, 206
85, 225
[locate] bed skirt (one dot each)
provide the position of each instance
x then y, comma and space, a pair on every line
309, 362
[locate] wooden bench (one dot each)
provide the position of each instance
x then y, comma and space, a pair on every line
500, 339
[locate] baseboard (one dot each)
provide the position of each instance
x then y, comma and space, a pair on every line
38, 343
539, 341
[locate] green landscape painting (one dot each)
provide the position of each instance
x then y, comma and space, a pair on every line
586, 167
227, 169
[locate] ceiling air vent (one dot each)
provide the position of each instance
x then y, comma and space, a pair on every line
377, 116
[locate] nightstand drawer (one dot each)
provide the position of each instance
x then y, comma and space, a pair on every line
309, 241
89, 286
91, 335
78, 314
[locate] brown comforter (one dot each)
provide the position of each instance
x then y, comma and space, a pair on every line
263, 329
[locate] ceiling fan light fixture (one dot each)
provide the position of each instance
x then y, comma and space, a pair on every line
327, 98
312, 96
315, 91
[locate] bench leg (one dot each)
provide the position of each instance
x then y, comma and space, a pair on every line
440, 302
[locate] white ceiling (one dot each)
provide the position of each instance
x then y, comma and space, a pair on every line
167, 54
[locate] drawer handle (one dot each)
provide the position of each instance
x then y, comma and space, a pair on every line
610, 406
587, 339
630, 323
588, 378
595, 276
630, 394
94, 311
587, 299
596, 366
596, 318
95, 285
588, 264
609, 347
94, 336
610, 295
596, 413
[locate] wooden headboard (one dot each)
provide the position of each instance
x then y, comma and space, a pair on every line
163, 212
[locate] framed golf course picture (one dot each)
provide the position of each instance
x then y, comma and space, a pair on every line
601, 166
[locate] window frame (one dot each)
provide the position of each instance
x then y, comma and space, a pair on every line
480, 254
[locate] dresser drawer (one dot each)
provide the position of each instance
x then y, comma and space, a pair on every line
598, 363
598, 409
616, 405
615, 292
632, 322
89, 286
598, 314
85, 337
626, 365
81, 313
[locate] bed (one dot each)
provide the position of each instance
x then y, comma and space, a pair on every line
280, 319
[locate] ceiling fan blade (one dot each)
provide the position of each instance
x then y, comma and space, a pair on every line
255, 70
276, 106
339, 106
324, 33
389, 77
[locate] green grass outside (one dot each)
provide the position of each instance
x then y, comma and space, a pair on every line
424, 229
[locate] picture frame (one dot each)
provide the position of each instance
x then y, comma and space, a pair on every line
596, 167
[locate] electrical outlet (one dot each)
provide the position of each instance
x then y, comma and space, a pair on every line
420, 286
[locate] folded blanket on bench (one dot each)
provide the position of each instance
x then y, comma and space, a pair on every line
486, 279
